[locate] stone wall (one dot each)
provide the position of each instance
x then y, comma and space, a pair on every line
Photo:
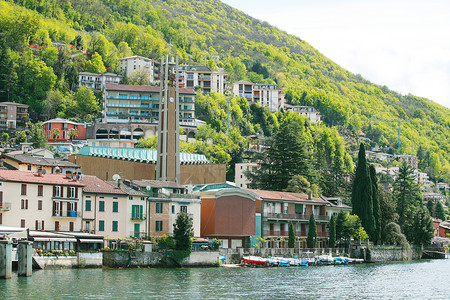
234, 256
387, 253
134, 259
81, 260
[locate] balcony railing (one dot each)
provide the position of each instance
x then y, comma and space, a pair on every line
138, 217
295, 216
286, 233
5, 206
137, 234
67, 214
127, 105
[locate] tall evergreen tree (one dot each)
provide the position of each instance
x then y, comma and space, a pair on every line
311, 240
340, 225
440, 213
375, 236
182, 232
332, 231
291, 242
422, 227
362, 204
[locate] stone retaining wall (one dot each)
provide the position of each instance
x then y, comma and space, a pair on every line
387, 253
81, 260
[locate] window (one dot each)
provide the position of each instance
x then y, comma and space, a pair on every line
22, 223
72, 192
142, 198
115, 226
137, 212
23, 189
29, 167
173, 209
183, 208
24, 204
1, 219
57, 191
39, 204
70, 226
101, 225
40, 190
285, 206
299, 208
115, 206
130, 197
101, 206
88, 205
57, 225
158, 226
159, 208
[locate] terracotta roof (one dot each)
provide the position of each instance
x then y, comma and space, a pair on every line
141, 88
40, 161
287, 196
93, 184
22, 176
158, 184
13, 103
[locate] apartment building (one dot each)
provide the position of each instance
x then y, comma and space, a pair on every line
40, 201
240, 178
307, 111
410, 160
267, 95
140, 104
63, 126
136, 63
96, 81
279, 208
12, 113
202, 77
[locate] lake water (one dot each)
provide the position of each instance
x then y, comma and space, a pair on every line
410, 280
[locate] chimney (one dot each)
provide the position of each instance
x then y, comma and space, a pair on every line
39, 172
310, 195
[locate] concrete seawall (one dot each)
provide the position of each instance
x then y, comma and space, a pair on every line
81, 260
387, 253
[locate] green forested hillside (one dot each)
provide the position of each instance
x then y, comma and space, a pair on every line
211, 33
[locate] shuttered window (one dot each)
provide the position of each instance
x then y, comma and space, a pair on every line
39, 204
299, 208
101, 206
101, 225
115, 206
88, 205
115, 226
40, 190
23, 190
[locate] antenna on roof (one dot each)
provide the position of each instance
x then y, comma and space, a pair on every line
116, 177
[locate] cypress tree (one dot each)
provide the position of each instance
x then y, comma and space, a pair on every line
375, 236
440, 213
362, 205
312, 233
340, 225
182, 232
291, 242
332, 227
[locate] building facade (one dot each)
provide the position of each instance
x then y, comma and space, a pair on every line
40, 201
96, 81
240, 179
136, 63
63, 126
307, 111
140, 104
267, 95
12, 113
202, 77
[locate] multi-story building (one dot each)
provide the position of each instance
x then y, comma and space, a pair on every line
279, 208
202, 77
40, 201
267, 95
229, 214
104, 208
140, 104
11, 113
136, 63
63, 126
166, 200
410, 160
335, 205
96, 81
240, 179
307, 111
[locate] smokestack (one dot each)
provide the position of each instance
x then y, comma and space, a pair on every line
310, 195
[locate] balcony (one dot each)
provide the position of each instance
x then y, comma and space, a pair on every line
67, 214
138, 217
138, 234
127, 105
301, 217
5, 206
276, 233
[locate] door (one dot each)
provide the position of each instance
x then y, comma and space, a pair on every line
137, 230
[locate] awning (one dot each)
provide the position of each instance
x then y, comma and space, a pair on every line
90, 241
46, 239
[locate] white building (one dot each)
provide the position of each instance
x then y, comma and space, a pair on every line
203, 78
307, 111
97, 82
240, 179
136, 63
267, 95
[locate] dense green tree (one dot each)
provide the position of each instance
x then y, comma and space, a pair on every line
291, 241
388, 211
311, 240
340, 225
37, 135
362, 203
95, 65
55, 133
394, 235
431, 207
440, 212
298, 184
183, 232
87, 105
376, 234
8, 75
332, 232
72, 133
422, 227
20, 137
5, 138
61, 64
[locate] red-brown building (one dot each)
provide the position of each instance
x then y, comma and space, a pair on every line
444, 229
228, 214
63, 126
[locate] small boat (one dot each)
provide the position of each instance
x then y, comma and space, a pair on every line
325, 260
340, 261
255, 260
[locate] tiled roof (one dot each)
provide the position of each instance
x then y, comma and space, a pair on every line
128, 190
158, 184
213, 186
13, 103
40, 161
93, 184
139, 155
142, 88
22, 176
287, 196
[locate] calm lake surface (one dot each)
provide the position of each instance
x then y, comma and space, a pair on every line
410, 280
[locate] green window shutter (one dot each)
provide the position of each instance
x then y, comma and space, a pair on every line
115, 206
101, 206
298, 208
101, 225
133, 211
88, 205
115, 225
141, 212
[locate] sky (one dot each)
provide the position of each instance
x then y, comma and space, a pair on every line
404, 45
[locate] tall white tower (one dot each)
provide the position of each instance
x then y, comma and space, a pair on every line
168, 163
